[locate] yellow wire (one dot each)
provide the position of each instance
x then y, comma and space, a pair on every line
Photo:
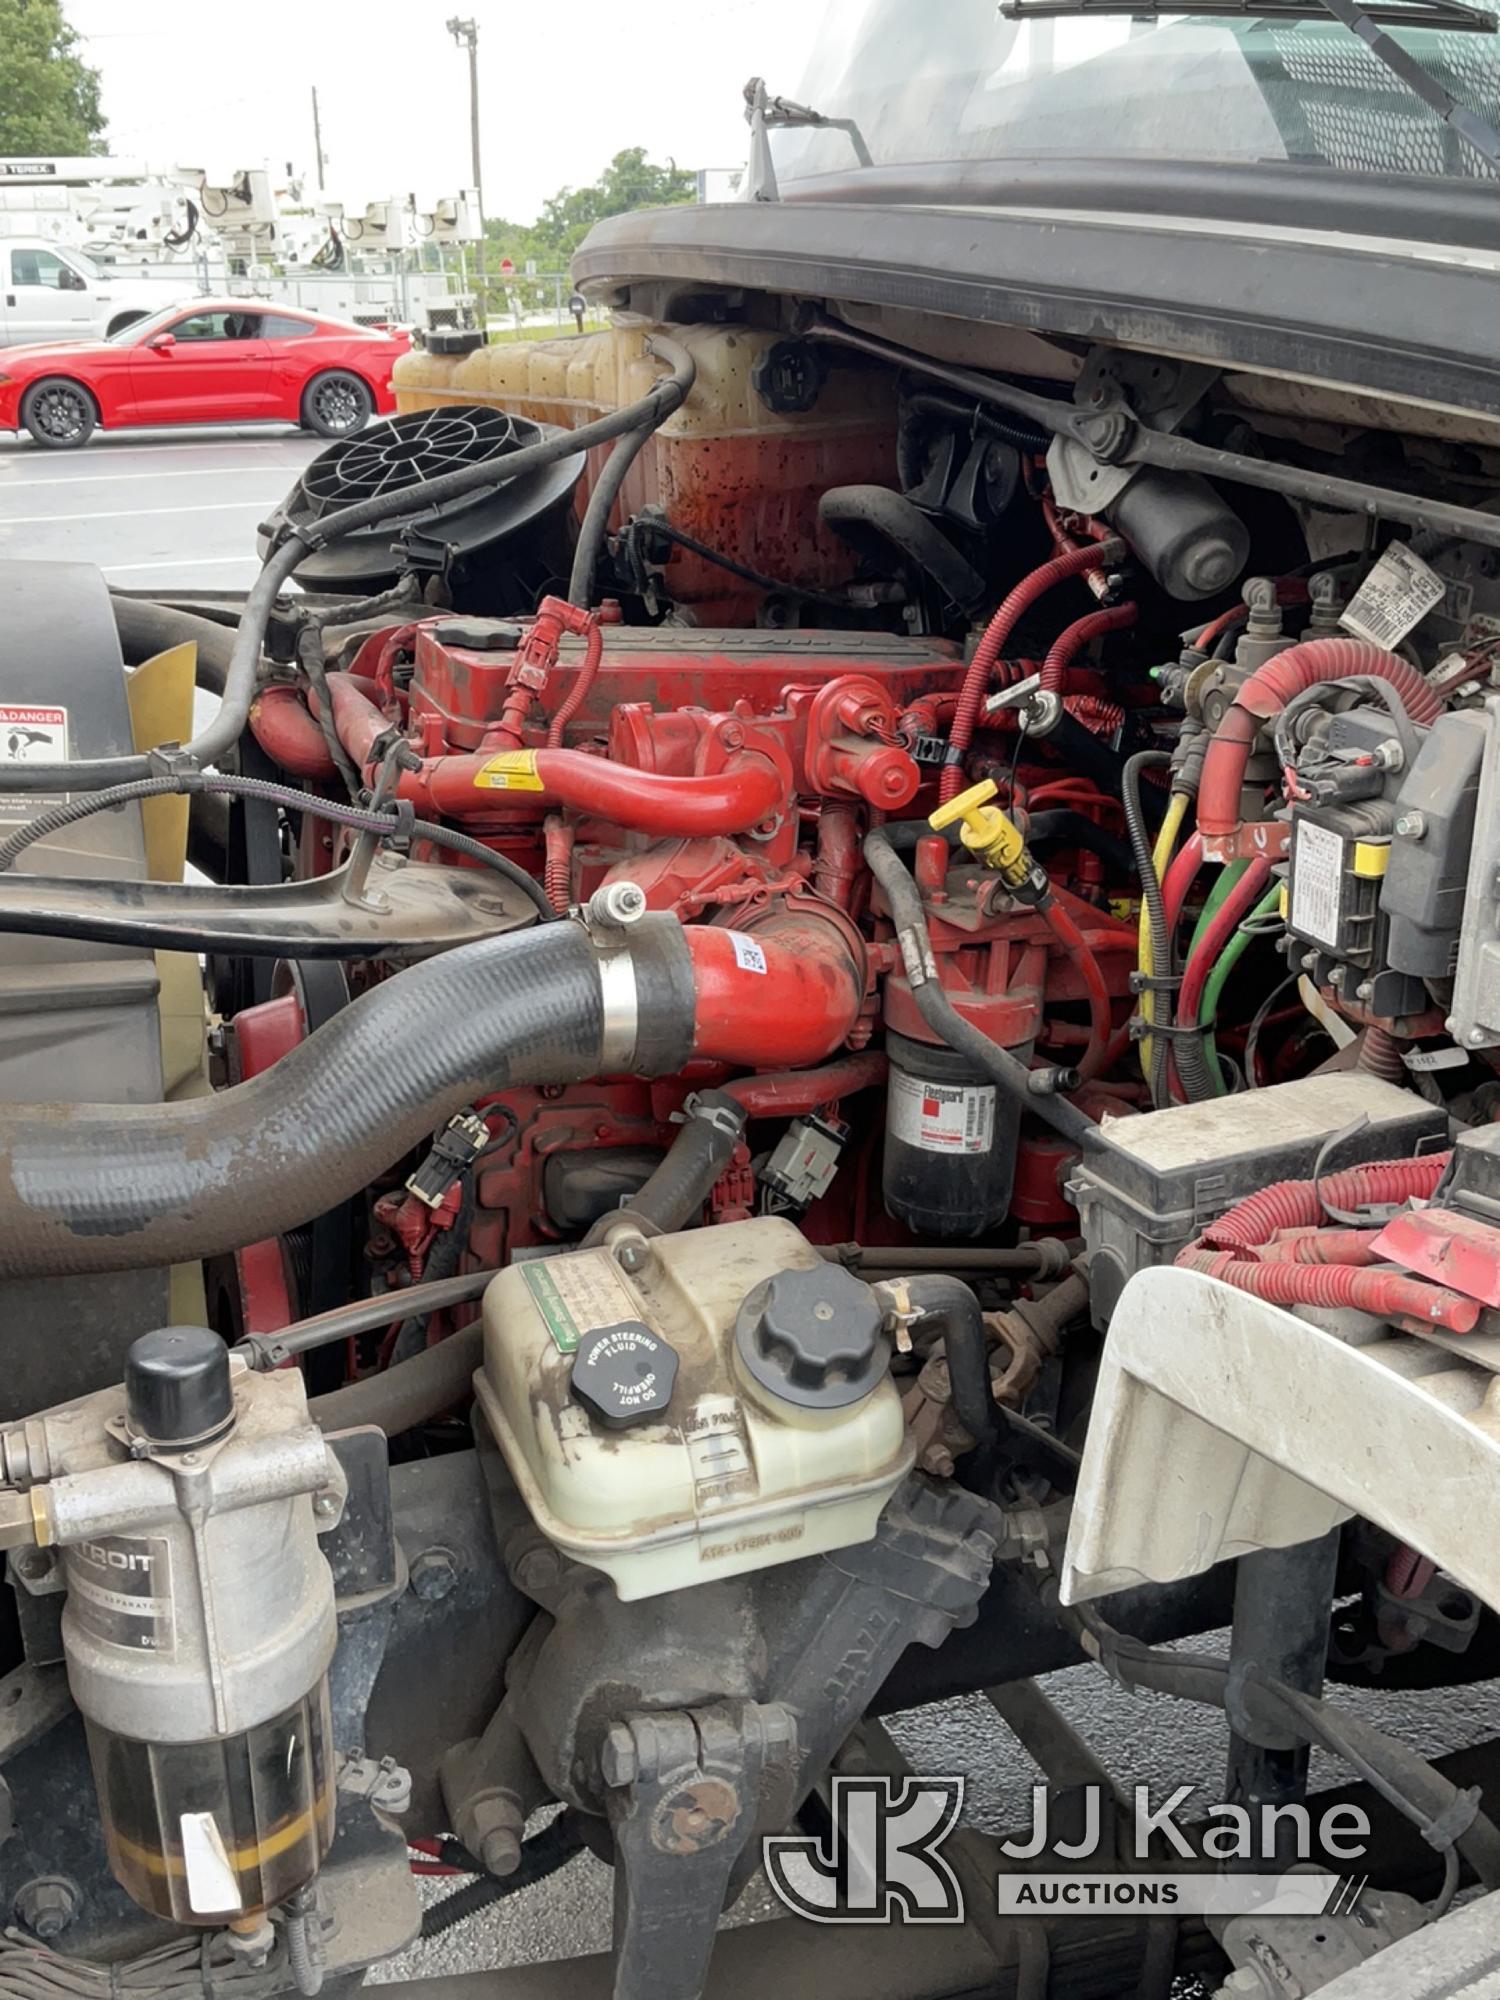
1161, 858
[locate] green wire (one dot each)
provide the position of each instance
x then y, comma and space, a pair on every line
1228, 876
1234, 951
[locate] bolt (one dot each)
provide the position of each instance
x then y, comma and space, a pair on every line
326, 1506
618, 1763
33, 1564
1475, 1038
631, 1257
731, 736
46, 1905
618, 904
500, 1851
251, 1939
1411, 826
433, 1574
538, 1569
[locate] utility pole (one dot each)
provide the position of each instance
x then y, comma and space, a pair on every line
317, 137
467, 35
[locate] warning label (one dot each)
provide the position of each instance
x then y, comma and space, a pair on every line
577, 1293
941, 1117
1396, 596
30, 733
1317, 882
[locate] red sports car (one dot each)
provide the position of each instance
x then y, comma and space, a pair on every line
215, 361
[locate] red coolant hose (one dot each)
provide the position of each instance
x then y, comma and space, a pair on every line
794, 1093
1388, 1294
781, 997
283, 725
475, 784
1226, 920
1070, 642
1095, 555
1304, 1204
1267, 692
1101, 1017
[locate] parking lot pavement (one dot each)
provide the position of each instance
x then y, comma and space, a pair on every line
165, 509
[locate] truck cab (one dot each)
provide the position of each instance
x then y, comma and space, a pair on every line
51, 291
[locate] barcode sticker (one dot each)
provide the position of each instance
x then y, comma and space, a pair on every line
1394, 598
748, 955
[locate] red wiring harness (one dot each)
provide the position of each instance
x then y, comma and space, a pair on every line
1328, 1267
1076, 562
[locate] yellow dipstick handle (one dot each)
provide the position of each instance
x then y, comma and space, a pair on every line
986, 831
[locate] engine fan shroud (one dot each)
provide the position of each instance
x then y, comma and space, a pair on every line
459, 542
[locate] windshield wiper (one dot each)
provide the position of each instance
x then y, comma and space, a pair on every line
1362, 21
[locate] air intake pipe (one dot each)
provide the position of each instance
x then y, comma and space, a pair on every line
107, 1187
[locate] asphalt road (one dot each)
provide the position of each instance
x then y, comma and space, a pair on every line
152, 508
175, 510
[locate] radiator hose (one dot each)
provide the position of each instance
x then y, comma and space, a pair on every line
116, 1187
105, 1187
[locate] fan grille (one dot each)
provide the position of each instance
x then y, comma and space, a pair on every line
405, 452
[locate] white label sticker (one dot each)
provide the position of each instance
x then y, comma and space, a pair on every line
30, 733
1317, 876
748, 955
941, 1117
1396, 596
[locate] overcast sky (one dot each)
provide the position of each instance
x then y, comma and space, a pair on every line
564, 84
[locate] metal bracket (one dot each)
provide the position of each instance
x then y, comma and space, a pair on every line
685, 1794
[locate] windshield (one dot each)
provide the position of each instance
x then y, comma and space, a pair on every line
935, 81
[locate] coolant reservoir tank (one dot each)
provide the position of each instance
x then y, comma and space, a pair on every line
724, 1407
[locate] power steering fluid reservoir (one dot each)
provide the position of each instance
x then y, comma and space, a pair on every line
725, 1406
199, 1623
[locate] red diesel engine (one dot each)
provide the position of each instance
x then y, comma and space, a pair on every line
729, 777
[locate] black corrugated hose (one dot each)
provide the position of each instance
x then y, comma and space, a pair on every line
116, 1187
547, 1850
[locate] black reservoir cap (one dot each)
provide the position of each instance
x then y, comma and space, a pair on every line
177, 1385
814, 1338
624, 1374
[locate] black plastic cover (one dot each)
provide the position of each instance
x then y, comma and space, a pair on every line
624, 1374
814, 1338
177, 1385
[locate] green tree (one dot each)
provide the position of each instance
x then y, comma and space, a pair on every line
49, 97
630, 181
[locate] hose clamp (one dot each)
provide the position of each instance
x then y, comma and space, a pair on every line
620, 1026
609, 917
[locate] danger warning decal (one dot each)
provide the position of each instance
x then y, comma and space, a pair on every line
30, 733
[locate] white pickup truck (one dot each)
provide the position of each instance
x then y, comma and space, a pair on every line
50, 291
